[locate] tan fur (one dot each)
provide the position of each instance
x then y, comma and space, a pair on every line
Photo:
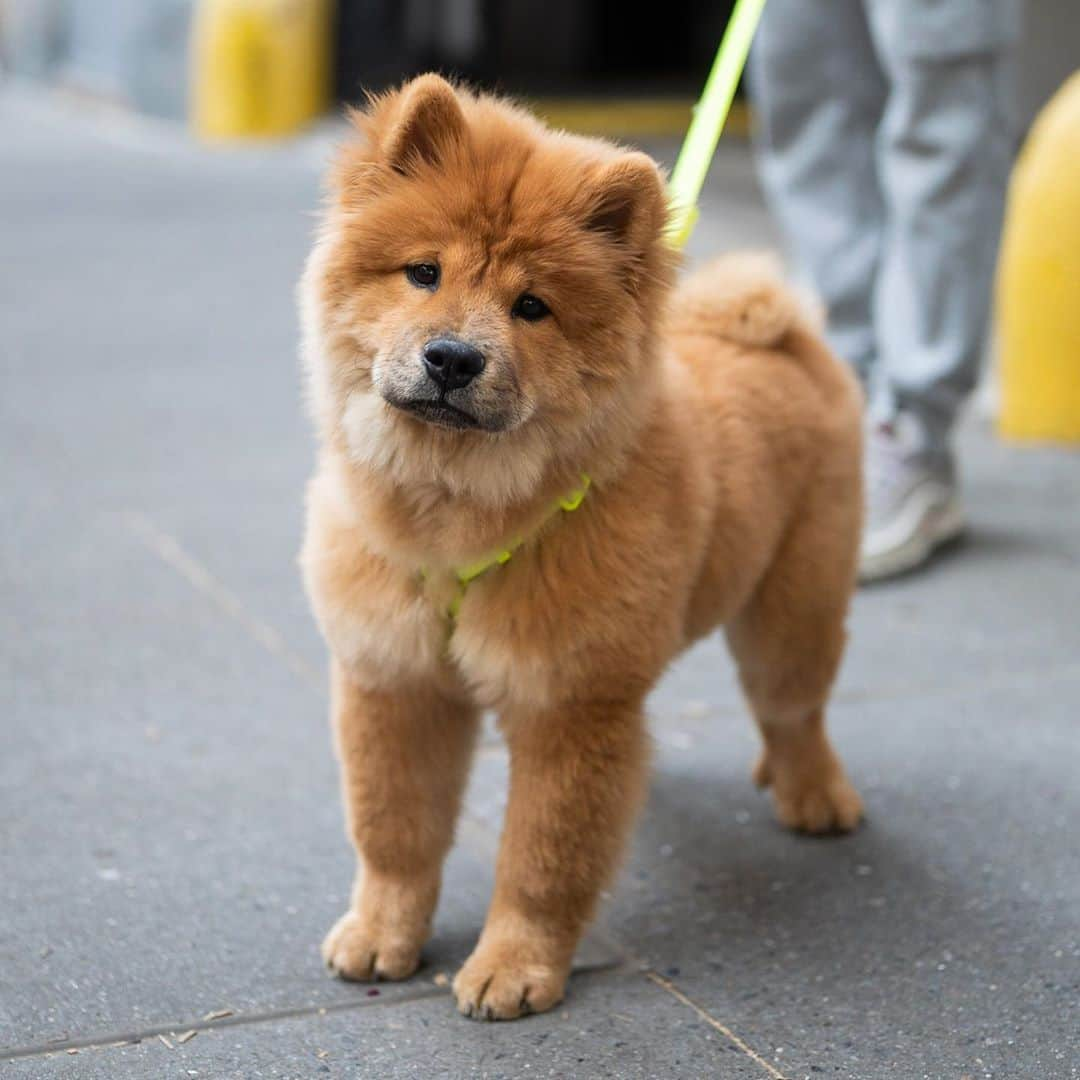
723, 442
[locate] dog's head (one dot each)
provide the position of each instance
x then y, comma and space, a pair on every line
483, 293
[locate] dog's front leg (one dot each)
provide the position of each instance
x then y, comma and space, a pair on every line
577, 775
404, 760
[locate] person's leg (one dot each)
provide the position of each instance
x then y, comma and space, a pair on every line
818, 98
944, 153
945, 150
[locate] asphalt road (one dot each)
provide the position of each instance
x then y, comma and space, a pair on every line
171, 847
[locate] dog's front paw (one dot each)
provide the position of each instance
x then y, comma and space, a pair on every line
358, 951
501, 982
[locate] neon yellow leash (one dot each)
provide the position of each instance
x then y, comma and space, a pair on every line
710, 115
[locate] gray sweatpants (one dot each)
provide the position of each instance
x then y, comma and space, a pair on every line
885, 136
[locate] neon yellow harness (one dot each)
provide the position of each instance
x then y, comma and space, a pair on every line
464, 575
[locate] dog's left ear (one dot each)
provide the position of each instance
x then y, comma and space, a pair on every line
625, 201
428, 121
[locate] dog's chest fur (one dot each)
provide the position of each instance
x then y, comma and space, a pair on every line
390, 627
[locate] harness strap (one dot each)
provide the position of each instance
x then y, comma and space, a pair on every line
464, 575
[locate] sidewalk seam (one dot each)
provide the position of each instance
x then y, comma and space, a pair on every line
131, 1038
169, 550
115, 1040
749, 1051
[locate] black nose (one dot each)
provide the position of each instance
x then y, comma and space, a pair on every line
452, 364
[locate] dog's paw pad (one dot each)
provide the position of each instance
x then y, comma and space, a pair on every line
494, 986
352, 950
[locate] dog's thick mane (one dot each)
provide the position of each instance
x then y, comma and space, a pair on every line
617, 195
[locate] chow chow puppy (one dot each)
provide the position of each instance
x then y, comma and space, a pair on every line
544, 470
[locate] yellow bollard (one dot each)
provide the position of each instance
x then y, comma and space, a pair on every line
259, 67
1038, 286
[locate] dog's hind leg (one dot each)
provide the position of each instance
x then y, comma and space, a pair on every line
787, 643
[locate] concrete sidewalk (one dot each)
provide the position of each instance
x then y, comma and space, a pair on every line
171, 845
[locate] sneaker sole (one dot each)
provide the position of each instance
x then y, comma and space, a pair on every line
936, 522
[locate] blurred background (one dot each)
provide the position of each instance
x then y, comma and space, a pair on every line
171, 841
139, 53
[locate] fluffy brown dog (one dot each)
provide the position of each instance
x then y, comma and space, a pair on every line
491, 327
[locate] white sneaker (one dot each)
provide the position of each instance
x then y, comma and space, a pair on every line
912, 505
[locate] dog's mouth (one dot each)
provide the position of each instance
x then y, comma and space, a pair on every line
439, 413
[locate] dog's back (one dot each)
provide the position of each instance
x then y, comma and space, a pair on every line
775, 420
741, 299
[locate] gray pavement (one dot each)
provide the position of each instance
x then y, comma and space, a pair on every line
171, 848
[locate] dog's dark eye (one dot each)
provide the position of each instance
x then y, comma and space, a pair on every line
530, 308
423, 275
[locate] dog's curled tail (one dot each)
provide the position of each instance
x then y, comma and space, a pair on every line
742, 298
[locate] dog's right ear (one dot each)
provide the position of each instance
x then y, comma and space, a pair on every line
428, 120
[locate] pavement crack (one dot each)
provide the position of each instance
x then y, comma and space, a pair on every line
740, 1044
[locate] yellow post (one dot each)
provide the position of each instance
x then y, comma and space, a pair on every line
259, 67
1038, 287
